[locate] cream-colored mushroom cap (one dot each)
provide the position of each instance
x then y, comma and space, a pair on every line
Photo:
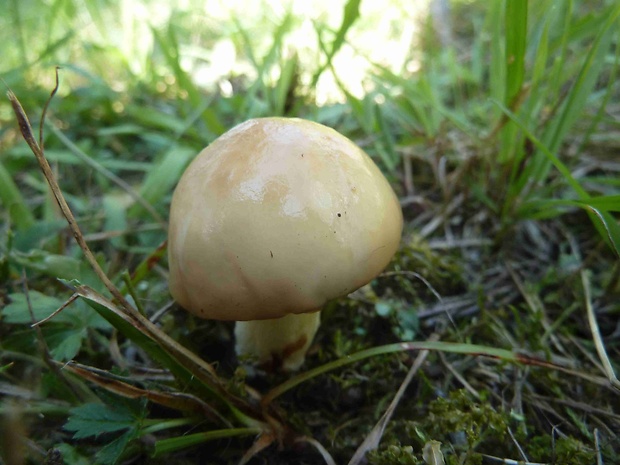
278, 216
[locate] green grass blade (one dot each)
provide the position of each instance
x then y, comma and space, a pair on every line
560, 51
99, 15
605, 223
609, 93
168, 43
516, 42
165, 446
53, 47
278, 40
608, 203
288, 69
497, 71
453, 347
584, 85
605, 203
386, 145
169, 46
515, 24
189, 369
145, 266
92, 163
609, 228
548, 154
20, 30
351, 14
247, 41
163, 176
115, 217
420, 104
153, 119
254, 104
14, 202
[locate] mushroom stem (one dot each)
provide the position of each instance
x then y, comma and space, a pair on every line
280, 343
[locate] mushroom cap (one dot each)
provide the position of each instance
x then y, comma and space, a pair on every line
278, 216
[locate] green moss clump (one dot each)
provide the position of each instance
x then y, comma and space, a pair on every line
459, 413
566, 450
442, 270
393, 455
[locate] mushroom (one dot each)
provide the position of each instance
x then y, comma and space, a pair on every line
272, 220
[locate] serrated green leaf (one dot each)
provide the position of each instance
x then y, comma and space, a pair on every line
41, 231
92, 420
111, 452
17, 311
77, 315
56, 266
65, 344
64, 333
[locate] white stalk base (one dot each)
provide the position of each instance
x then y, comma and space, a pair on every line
279, 344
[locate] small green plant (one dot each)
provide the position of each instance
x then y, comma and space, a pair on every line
123, 422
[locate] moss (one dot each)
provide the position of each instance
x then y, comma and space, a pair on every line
442, 270
460, 414
393, 455
566, 450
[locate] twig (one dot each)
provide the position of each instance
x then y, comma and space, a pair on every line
68, 302
596, 334
262, 442
329, 460
27, 132
132, 292
409, 187
415, 275
573, 404
123, 386
43, 347
597, 445
511, 462
44, 112
460, 378
372, 440
517, 445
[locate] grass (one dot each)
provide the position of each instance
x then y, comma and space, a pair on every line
494, 331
